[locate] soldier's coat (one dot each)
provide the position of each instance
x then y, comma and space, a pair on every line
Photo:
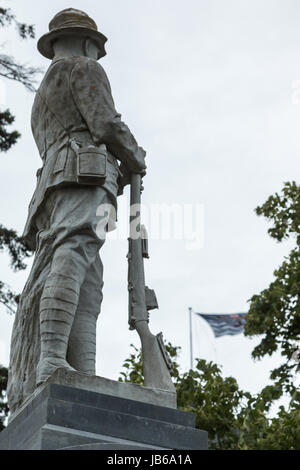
75, 100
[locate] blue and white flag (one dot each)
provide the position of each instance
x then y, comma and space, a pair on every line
225, 324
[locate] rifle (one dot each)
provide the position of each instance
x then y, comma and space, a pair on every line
156, 361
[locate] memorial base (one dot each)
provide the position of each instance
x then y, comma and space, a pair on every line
62, 416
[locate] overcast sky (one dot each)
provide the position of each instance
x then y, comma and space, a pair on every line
206, 86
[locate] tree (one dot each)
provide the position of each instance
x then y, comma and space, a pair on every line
9, 239
216, 401
25, 75
13, 70
234, 419
9, 68
18, 251
275, 312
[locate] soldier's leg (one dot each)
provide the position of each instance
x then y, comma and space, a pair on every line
59, 300
74, 225
82, 343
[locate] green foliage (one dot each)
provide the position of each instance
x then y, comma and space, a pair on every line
282, 432
16, 247
133, 368
7, 139
134, 365
3, 403
284, 212
275, 312
18, 251
216, 402
234, 419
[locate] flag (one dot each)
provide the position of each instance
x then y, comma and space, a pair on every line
222, 324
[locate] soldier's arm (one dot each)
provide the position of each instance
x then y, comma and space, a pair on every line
92, 94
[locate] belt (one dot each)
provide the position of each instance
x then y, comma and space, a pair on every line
81, 136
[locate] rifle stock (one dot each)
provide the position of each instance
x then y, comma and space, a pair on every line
156, 362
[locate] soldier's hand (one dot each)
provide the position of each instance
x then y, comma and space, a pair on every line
126, 171
140, 162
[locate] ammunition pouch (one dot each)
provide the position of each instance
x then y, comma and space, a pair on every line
91, 163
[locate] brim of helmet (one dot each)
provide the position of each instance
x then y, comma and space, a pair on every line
44, 44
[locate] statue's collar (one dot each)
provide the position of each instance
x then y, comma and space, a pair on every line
54, 61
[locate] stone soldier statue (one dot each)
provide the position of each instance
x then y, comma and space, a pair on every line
80, 138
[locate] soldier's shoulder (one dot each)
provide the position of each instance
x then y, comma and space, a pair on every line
85, 65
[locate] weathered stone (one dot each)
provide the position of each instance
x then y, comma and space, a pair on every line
80, 381
60, 417
80, 138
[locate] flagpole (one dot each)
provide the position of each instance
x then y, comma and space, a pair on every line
191, 338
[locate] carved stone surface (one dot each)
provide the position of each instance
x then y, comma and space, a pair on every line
79, 135
61, 417
93, 383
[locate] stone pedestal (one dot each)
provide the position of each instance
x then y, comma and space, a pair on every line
117, 417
